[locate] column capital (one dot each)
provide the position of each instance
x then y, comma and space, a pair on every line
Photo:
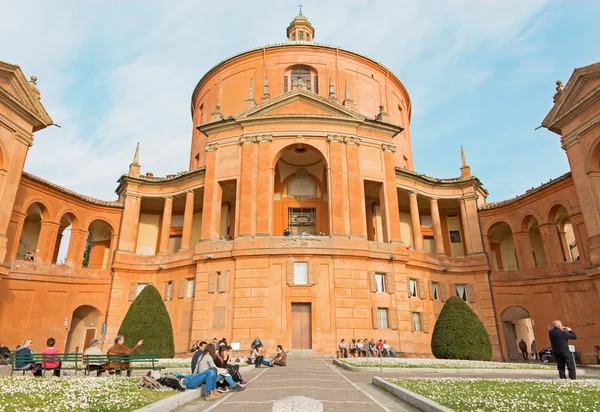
338, 138
190, 192
49, 223
412, 193
256, 138
211, 147
433, 199
170, 198
387, 147
25, 138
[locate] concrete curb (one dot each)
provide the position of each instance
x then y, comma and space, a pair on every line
448, 371
414, 399
173, 402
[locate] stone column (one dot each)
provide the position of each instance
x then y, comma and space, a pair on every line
473, 220
265, 186
338, 172
523, 249
211, 209
551, 241
564, 246
188, 217
247, 182
355, 191
47, 241
437, 227
76, 247
391, 207
466, 229
416, 221
165, 228
15, 229
131, 222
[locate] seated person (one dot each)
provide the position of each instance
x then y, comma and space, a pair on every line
353, 348
222, 361
25, 362
343, 350
119, 348
387, 349
208, 378
286, 232
281, 358
98, 365
4, 354
258, 357
363, 348
207, 361
373, 348
379, 347
51, 357
197, 355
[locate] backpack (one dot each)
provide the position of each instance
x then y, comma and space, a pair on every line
148, 382
172, 383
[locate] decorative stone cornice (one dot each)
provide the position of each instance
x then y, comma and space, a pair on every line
24, 138
388, 148
211, 147
336, 138
257, 138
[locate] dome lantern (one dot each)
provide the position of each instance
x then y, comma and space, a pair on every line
300, 29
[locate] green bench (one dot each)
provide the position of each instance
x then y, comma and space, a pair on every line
133, 360
69, 361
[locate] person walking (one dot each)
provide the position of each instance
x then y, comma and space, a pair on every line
559, 338
534, 349
523, 347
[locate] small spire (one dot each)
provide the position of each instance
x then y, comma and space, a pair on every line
331, 90
136, 156
348, 102
465, 170
134, 168
217, 115
266, 95
250, 102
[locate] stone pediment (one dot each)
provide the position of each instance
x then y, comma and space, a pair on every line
22, 96
300, 102
581, 91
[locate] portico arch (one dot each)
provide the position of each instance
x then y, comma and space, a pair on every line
530, 225
30, 234
63, 237
300, 191
86, 323
517, 325
568, 237
98, 245
503, 252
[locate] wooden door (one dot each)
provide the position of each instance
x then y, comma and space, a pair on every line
301, 326
89, 335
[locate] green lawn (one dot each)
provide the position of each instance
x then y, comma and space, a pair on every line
508, 395
75, 393
441, 364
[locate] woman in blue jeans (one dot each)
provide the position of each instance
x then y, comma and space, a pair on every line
207, 362
208, 378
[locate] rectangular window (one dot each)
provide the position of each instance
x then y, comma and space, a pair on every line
293, 36
412, 284
317, 84
416, 321
435, 291
300, 35
300, 273
455, 236
426, 221
218, 281
379, 282
219, 317
169, 294
382, 318
191, 287
461, 291
285, 84
140, 287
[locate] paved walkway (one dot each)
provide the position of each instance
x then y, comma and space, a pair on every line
306, 385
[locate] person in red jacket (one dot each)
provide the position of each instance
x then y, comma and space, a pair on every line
50, 357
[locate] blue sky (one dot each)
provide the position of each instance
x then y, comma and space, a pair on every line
480, 74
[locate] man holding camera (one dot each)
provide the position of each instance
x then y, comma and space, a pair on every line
559, 338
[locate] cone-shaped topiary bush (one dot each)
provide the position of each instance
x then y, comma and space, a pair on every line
148, 319
459, 334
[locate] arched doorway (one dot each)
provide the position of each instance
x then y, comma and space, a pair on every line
97, 246
503, 253
86, 323
300, 192
63, 238
566, 233
517, 325
30, 234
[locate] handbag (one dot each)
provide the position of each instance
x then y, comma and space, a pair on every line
223, 372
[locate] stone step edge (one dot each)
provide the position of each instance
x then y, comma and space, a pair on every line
174, 402
414, 399
449, 371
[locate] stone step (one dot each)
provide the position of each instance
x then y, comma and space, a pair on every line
307, 354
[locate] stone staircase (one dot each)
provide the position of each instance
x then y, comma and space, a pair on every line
307, 354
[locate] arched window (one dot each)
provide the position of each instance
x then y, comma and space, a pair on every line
301, 76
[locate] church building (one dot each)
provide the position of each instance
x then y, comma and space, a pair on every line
301, 220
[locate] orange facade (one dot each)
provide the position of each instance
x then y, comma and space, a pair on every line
301, 220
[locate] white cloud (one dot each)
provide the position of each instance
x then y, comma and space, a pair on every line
143, 59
